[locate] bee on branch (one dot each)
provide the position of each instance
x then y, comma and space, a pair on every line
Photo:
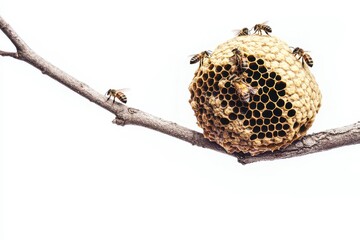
116, 94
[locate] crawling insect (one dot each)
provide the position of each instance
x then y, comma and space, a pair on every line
258, 28
305, 56
242, 32
244, 90
200, 57
116, 94
240, 62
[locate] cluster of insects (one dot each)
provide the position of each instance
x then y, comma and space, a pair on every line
240, 63
237, 79
262, 27
258, 29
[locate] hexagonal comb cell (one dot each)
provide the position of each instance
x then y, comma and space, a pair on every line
282, 102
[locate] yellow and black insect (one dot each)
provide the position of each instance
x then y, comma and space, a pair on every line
240, 62
244, 90
116, 94
259, 28
242, 32
305, 56
200, 57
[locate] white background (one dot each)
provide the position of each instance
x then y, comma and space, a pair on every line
69, 173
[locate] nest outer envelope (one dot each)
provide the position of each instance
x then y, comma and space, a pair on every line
283, 109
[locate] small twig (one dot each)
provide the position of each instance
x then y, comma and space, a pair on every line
9, 54
125, 115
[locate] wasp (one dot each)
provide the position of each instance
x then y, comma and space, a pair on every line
116, 94
258, 28
242, 32
305, 56
200, 57
244, 90
240, 62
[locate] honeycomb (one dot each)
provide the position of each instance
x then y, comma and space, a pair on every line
281, 110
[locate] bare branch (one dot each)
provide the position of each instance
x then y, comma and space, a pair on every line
125, 115
316, 142
9, 54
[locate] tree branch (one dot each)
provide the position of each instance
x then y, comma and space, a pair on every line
126, 115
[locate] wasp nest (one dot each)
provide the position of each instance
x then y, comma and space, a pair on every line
277, 106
